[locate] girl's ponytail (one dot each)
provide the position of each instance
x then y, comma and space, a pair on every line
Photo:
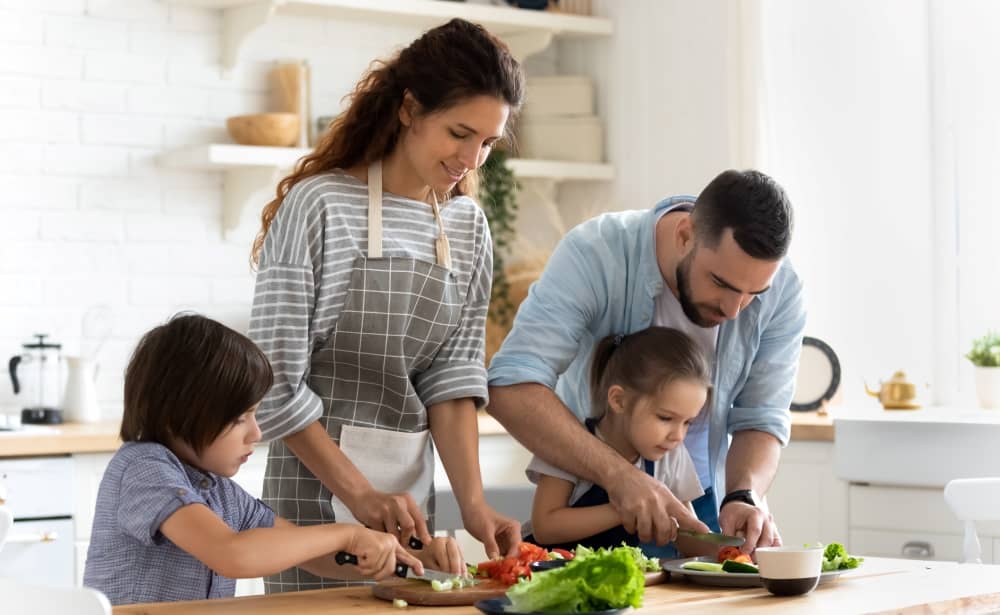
598, 372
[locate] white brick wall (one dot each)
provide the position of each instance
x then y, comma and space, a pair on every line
91, 91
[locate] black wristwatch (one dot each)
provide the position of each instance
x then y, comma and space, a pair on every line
740, 495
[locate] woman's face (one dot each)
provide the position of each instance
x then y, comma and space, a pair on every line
442, 147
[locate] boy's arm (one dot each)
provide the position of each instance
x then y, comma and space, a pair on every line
553, 521
268, 550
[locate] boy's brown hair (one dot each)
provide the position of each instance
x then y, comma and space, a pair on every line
189, 379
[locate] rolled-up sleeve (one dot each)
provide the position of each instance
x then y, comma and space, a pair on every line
552, 320
459, 368
763, 403
281, 318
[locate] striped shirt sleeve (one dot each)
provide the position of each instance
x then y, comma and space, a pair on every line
283, 306
459, 369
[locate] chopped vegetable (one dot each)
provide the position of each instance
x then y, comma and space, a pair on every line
509, 569
729, 553
702, 566
736, 566
400, 603
835, 557
441, 586
594, 580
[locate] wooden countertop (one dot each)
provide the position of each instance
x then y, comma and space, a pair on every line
62, 439
70, 438
882, 585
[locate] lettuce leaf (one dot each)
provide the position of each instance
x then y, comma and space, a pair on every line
595, 580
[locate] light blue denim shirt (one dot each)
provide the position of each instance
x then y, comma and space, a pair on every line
603, 279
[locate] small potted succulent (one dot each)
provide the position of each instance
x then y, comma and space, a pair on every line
985, 355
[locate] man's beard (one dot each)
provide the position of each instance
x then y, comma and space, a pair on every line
684, 294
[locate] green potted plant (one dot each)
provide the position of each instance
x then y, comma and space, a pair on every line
985, 355
498, 197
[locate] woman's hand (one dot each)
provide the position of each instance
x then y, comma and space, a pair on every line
393, 513
499, 534
443, 554
377, 553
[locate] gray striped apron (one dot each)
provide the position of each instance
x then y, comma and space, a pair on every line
398, 312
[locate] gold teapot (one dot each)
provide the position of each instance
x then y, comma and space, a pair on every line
897, 393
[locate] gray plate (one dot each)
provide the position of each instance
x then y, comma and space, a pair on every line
727, 579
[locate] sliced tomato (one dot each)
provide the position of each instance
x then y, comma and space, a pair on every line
565, 554
728, 553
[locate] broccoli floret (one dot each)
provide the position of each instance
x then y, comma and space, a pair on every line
835, 557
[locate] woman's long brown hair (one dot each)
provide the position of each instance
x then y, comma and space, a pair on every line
447, 65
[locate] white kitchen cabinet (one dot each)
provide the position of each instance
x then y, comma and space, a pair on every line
808, 501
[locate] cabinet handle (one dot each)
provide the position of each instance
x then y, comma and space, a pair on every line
918, 549
30, 538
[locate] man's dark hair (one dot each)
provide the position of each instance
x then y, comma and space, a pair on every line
750, 203
189, 379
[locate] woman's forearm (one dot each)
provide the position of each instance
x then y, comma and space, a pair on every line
321, 455
455, 429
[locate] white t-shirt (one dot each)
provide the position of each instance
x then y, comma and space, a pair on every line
675, 470
669, 313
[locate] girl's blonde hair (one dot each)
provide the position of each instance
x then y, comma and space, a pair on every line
642, 363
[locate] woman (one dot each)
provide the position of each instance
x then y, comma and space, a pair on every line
375, 266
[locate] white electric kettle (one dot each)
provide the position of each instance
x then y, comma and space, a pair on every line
80, 399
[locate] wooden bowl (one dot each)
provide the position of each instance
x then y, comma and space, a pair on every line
276, 129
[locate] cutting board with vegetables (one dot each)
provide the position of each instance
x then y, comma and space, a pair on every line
420, 593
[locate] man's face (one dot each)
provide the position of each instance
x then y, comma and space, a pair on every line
714, 284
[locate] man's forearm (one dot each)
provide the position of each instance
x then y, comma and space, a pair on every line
752, 461
536, 417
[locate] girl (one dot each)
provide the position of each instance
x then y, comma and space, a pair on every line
170, 524
647, 388
374, 273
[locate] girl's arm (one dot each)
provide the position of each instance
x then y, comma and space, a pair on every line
268, 550
455, 429
553, 521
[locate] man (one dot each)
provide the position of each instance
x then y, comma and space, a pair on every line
713, 267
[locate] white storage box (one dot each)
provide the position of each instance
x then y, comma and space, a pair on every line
575, 139
559, 95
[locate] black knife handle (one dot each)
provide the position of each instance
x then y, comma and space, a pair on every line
415, 543
343, 557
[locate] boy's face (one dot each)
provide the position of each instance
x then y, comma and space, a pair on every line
231, 449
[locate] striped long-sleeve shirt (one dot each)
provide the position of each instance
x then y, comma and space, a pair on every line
302, 281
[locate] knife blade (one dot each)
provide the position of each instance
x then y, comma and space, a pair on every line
402, 570
714, 537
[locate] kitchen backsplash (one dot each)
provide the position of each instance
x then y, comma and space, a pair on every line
91, 92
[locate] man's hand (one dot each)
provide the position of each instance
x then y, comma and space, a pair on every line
646, 507
754, 524
394, 513
500, 535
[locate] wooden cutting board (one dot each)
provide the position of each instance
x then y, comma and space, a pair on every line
420, 593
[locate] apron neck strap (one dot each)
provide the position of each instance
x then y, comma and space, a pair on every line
442, 248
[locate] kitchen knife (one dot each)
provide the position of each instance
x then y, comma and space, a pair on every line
402, 570
713, 537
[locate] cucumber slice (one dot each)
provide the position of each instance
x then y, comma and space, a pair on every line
734, 566
702, 566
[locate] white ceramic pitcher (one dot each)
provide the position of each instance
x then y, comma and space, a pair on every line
80, 401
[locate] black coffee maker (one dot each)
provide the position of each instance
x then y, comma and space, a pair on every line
37, 378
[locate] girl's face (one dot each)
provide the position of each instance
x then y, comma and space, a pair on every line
658, 423
442, 147
230, 449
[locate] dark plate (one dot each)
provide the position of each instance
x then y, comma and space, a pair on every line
818, 376
498, 606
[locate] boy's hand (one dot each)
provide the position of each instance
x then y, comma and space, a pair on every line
377, 553
443, 554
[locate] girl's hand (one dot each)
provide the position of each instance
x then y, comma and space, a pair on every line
377, 553
443, 554
500, 535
